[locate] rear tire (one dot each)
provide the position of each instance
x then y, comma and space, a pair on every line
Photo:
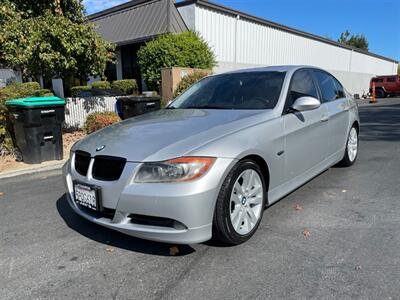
351, 152
240, 204
380, 93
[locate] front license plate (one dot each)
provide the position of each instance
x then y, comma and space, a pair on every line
87, 196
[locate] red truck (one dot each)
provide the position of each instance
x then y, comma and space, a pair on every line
385, 85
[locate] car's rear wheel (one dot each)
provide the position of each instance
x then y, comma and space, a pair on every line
350, 155
380, 93
240, 204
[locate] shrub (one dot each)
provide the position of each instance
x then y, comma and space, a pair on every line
43, 93
189, 80
101, 85
75, 90
18, 90
31, 85
98, 120
186, 49
127, 86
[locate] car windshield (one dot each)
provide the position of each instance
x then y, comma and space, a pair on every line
244, 90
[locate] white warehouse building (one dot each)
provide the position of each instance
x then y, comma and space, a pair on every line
238, 40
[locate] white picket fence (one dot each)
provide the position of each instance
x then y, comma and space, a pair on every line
77, 109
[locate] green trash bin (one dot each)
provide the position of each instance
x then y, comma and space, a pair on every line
37, 123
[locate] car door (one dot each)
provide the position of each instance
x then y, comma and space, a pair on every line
306, 132
390, 85
338, 105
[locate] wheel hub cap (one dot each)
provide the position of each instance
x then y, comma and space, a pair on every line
352, 144
246, 201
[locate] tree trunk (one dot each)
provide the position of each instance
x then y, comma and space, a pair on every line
57, 7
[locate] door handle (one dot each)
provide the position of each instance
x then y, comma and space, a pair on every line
324, 118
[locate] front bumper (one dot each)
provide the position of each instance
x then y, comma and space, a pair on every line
190, 203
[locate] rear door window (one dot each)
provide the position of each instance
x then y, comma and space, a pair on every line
339, 89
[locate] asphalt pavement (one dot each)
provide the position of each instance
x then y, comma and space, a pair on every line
337, 237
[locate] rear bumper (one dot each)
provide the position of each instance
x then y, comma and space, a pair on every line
191, 204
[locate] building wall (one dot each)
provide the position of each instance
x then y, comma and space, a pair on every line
8, 75
240, 43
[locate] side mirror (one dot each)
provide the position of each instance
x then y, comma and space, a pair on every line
305, 103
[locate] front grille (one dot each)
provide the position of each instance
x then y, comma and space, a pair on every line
82, 161
108, 168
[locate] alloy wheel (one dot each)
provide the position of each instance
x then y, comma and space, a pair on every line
246, 201
352, 144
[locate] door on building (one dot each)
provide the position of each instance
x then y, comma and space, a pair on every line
130, 65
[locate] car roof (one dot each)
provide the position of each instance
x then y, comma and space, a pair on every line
283, 68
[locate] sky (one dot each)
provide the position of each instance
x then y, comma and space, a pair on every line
378, 20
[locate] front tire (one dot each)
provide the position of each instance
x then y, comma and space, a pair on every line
350, 155
240, 204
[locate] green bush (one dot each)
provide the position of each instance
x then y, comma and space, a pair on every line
189, 80
127, 86
31, 85
186, 49
101, 85
43, 93
98, 120
75, 90
18, 90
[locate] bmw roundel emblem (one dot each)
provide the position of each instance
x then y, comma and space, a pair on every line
99, 148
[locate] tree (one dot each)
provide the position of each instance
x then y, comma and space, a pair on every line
185, 49
357, 41
71, 9
49, 43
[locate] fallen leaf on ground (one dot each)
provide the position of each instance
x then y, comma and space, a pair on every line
358, 268
110, 249
306, 232
1, 194
173, 250
297, 207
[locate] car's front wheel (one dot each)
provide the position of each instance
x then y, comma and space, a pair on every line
240, 204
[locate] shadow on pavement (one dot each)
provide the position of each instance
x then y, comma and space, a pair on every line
114, 238
380, 123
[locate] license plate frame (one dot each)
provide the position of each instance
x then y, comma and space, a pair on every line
90, 189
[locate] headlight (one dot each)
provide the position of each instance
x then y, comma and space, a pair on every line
175, 170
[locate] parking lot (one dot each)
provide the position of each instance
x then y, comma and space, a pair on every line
335, 237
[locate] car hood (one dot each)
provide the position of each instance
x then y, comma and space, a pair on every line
168, 133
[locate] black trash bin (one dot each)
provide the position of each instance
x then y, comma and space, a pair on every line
130, 106
37, 126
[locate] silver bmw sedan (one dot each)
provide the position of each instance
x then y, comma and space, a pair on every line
208, 164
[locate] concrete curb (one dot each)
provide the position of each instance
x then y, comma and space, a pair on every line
33, 170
